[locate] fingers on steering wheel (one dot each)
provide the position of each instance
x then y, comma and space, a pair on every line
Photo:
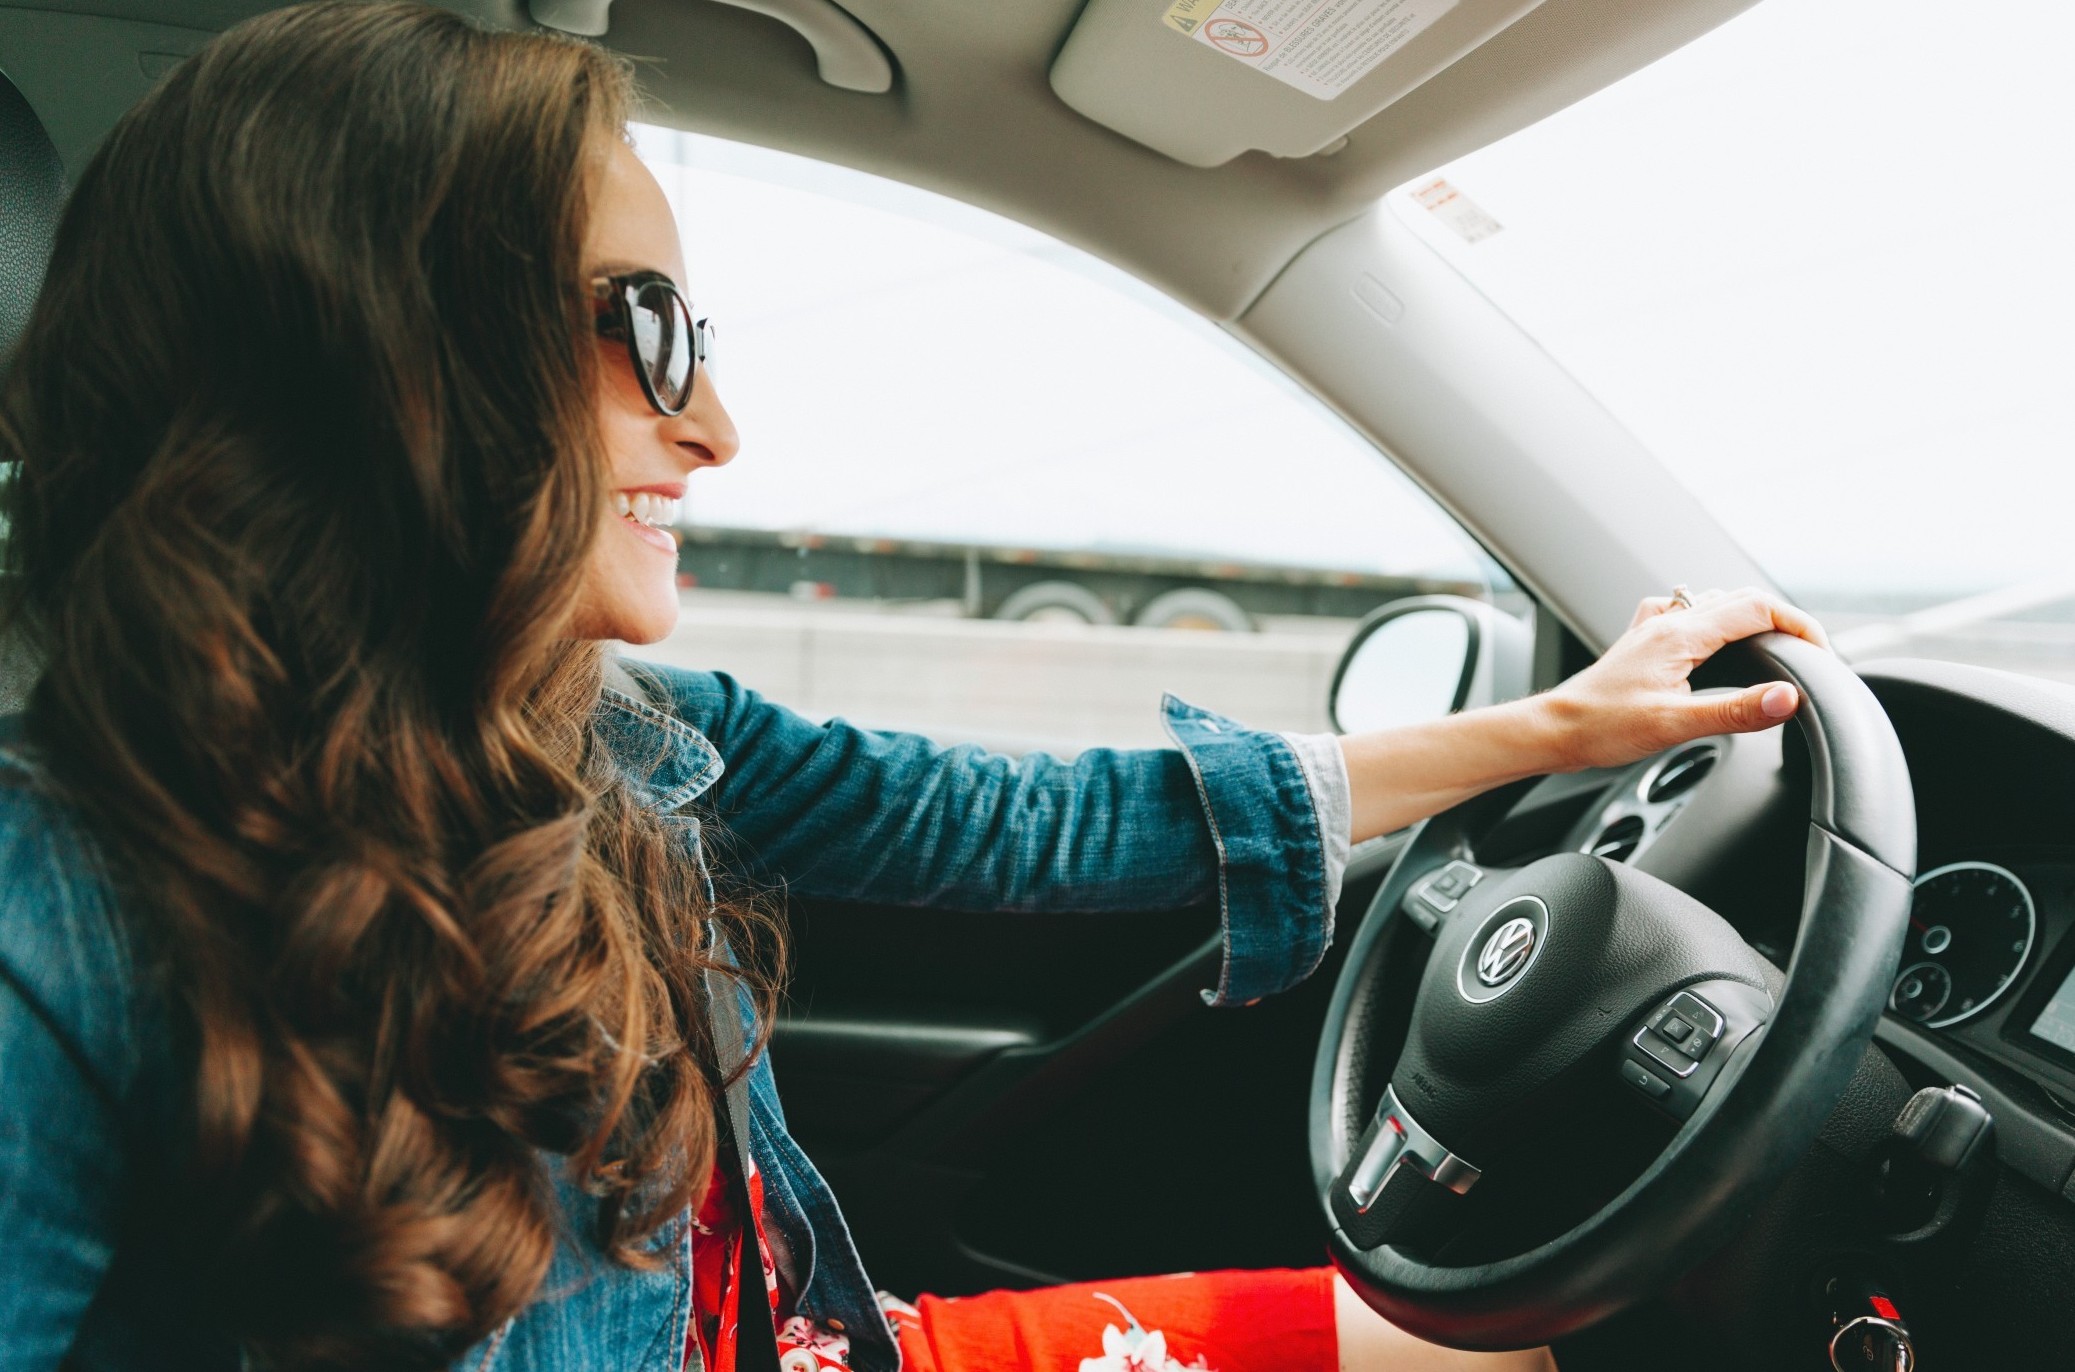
1651, 607
1746, 711
1729, 616
1797, 621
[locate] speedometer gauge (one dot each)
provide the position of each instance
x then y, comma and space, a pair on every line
1970, 930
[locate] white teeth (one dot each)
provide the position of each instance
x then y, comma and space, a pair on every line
658, 511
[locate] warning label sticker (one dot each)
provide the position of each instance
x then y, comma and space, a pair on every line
1321, 47
1456, 210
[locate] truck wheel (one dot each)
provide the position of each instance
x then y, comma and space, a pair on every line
1194, 607
1061, 602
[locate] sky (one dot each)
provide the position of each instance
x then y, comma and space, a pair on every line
904, 365
1819, 261
1822, 262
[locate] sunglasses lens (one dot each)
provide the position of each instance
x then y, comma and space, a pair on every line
663, 341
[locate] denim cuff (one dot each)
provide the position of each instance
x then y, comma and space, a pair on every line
1274, 888
1332, 795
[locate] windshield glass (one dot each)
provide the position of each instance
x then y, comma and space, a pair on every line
996, 491
974, 381
1819, 261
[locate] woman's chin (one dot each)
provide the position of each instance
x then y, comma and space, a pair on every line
652, 626
634, 619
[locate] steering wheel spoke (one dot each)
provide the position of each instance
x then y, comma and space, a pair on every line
1402, 1185
1684, 1046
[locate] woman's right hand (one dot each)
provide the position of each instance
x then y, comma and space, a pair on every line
1638, 700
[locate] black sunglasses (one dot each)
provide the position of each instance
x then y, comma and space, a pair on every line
665, 344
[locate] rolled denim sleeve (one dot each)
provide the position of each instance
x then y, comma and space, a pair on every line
1332, 795
840, 812
1276, 884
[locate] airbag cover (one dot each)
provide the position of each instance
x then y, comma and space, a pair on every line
1613, 943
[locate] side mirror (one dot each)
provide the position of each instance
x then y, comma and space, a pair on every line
1427, 656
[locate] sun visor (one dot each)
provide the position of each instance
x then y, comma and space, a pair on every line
1205, 80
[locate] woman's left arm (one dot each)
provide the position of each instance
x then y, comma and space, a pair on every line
838, 811
1255, 821
835, 811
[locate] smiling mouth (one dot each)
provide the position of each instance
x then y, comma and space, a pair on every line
649, 517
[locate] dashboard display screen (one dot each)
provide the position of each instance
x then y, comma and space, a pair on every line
2056, 1022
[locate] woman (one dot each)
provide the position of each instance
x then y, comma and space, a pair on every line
355, 936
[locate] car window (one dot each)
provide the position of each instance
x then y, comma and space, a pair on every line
1818, 261
991, 488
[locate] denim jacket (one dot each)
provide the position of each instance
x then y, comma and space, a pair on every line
91, 1085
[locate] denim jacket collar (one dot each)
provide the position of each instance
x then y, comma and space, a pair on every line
667, 761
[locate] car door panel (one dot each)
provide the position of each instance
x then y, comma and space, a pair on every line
1013, 1100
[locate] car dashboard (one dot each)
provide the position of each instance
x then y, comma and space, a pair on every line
1983, 997
1987, 972
1985, 993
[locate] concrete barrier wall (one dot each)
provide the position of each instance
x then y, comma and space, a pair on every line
1012, 686
1063, 687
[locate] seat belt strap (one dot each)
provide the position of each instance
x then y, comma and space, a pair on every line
756, 1334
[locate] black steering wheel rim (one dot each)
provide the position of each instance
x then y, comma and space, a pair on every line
1748, 1132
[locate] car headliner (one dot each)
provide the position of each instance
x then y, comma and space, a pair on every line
972, 115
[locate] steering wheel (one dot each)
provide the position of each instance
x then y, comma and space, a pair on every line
1573, 965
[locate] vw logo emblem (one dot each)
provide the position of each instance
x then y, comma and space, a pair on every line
1504, 948
1506, 952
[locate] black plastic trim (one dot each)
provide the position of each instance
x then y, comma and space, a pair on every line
919, 1043
2029, 1141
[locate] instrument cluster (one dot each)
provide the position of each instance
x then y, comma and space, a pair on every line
1971, 929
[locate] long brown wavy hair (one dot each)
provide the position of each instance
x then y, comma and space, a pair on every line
306, 474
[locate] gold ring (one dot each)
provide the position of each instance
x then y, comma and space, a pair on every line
1682, 599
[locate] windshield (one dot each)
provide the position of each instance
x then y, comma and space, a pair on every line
977, 382
1820, 262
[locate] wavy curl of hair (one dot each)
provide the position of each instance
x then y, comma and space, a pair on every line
304, 458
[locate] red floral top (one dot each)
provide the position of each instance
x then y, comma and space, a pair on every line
717, 1282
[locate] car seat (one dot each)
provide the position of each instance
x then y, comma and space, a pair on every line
32, 194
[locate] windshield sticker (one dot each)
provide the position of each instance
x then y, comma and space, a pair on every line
1457, 211
1320, 47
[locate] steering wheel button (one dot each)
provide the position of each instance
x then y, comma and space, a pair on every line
1675, 1031
1438, 901
1644, 1080
1651, 1042
1701, 1014
1442, 891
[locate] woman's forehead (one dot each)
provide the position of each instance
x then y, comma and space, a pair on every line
631, 224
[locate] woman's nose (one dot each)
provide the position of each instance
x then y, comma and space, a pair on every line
706, 424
